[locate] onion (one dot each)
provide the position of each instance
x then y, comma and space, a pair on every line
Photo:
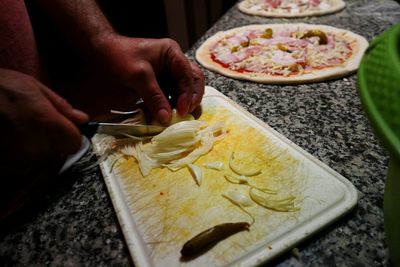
241, 172
128, 151
177, 146
196, 173
284, 204
234, 180
236, 201
245, 181
216, 165
239, 198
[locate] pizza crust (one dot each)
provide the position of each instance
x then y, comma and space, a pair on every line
348, 67
336, 6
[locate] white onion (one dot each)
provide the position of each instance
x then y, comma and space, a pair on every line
196, 173
216, 165
239, 198
284, 204
241, 172
177, 146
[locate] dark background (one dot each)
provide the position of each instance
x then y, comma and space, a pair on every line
151, 19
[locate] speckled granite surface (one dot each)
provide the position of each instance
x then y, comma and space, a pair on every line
76, 224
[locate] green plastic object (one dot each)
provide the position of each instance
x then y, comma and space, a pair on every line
379, 87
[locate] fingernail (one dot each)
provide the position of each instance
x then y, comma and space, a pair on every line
163, 116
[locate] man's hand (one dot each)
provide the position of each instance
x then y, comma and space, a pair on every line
143, 64
139, 64
36, 123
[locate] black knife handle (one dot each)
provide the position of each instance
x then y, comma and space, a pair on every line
89, 129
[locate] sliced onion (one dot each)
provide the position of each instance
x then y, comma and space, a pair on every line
132, 112
206, 145
284, 204
216, 165
235, 169
239, 198
196, 173
136, 138
233, 201
129, 151
235, 180
177, 146
146, 164
172, 130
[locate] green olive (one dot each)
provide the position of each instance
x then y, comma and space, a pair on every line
267, 34
282, 47
246, 43
316, 33
235, 49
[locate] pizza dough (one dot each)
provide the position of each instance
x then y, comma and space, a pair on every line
290, 8
283, 53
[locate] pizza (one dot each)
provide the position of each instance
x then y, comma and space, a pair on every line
290, 8
283, 53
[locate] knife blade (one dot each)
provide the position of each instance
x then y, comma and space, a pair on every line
118, 129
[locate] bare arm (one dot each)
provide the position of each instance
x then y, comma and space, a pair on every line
82, 21
135, 62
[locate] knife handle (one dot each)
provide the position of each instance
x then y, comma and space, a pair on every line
89, 129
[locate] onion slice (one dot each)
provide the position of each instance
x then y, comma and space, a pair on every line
196, 173
234, 202
236, 170
215, 165
178, 145
283, 204
239, 198
234, 180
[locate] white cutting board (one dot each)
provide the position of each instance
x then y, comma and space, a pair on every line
160, 212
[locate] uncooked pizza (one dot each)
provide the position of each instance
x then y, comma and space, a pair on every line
290, 8
283, 53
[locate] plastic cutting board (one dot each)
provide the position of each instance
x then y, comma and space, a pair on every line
160, 212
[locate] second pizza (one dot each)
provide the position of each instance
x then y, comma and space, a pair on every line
283, 53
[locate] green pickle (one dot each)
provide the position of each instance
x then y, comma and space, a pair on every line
267, 34
316, 33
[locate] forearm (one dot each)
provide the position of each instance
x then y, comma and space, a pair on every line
82, 21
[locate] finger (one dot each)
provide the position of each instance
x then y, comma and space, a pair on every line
64, 107
144, 80
58, 130
181, 71
198, 86
64, 135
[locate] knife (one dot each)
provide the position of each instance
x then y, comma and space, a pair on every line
91, 128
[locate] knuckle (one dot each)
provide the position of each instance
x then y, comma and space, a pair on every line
170, 43
60, 101
156, 100
198, 74
140, 69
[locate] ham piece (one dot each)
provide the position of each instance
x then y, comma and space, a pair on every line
273, 3
244, 53
315, 2
283, 58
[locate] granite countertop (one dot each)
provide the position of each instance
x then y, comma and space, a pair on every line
76, 225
